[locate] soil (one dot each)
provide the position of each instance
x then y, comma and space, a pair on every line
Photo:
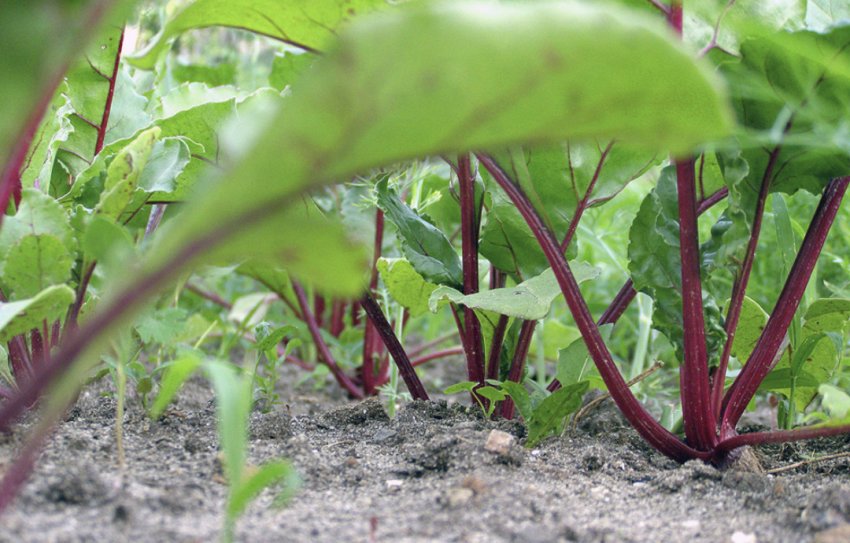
429, 474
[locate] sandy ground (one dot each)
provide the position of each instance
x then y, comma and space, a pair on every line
426, 475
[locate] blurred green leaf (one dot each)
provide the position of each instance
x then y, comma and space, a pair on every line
161, 325
177, 372
287, 68
38, 38
276, 472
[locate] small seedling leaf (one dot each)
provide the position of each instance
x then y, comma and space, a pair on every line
175, 375
550, 415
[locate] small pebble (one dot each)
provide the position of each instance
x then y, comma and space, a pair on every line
459, 496
394, 485
499, 442
743, 537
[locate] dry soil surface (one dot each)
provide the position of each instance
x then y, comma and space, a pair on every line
426, 475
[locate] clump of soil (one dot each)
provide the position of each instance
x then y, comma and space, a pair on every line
436, 472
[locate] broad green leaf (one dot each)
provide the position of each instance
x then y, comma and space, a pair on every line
37, 246
177, 372
358, 106
655, 266
752, 321
161, 325
104, 238
87, 87
425, 247
22, 316
405, 285
780, 379
550, 415
802, 78
35, 263
130, 111
167, 160
309, 25
530, 300
38, 214
190, 134
556, 179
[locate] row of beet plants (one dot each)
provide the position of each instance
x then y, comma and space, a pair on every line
125, 174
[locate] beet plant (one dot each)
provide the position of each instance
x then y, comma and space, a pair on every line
542, 112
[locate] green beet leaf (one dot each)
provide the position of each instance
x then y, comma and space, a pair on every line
826, 321
551, 414
21, 316
752, 321
35, 263
361, 105
37, 246
792, 91
576, 366
655, 266
309, 25
556, 179
425, 247
405, 285
530, 300
122, 175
